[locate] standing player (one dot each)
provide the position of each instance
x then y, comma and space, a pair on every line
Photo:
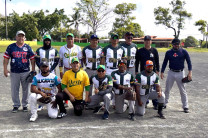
147, 53
103, 91
130, 50
145, 81
91, 57
73, 83
47, 52
66, 53
176, 57
44, 85
20, 54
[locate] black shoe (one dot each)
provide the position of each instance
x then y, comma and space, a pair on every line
25, 109
164, 107
105, 115
161, 115
186, 110
132, 117
15, 109
97, 109
61, 115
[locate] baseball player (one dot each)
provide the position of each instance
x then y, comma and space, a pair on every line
91, 57
145, 81
144, 54
103, 91
176, 57
130, 50
73, 83
44, 86
66, 53
21, 55
123, 81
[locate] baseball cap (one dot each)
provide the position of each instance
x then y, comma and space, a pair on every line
122, 61
94, 36
176, 41
46, 36
101, 67
147, 37
129, 33
44, 63
69, 34
20, 32
149, 63
74, 59
114, 36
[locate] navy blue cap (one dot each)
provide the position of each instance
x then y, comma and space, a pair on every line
129, 33
176, 41
147, 37
94, 36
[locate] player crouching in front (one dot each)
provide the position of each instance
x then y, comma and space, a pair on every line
73, 83
145, 81
43, 90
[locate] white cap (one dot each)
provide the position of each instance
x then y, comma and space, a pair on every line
20, 32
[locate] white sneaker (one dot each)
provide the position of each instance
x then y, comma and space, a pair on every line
40, 107
33, 117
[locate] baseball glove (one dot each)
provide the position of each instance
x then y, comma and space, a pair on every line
80, 106
186, 80
130, 95
45, 100
30, 76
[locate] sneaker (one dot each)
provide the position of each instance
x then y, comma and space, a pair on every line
25, 109
61, 115
105, 115
161, 115
15, 109
164, 107
97, 109
33, 117
40, 107
186, 110
132, 117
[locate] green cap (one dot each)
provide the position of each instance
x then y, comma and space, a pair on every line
69, 34
101, 67
74, 59
114, 36
46, 36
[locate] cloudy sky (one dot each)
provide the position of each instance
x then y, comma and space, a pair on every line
144, 13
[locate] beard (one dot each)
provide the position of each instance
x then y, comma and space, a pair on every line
149, 71
46, 46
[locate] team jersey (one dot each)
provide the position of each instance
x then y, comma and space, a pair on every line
97, 81
126, 79
112, 55
46, 84
92, 56
19, 57
130, 51
146, 82
48, 54
75, 82
66, 54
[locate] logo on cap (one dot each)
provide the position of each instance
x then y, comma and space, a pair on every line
149, 63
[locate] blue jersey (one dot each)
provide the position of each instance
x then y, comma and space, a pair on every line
19, 57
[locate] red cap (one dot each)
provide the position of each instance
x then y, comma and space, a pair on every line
149, 63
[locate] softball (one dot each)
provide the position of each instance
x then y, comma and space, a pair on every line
8, 74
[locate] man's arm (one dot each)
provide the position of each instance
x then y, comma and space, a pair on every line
32, 61
157, 64
165, 61
5, 63
56, 61
137, 61
64, 88
37, 91
137, 89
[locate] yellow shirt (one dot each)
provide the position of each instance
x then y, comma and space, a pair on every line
76, 82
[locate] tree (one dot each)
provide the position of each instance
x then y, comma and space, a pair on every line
202, 28
124, 22
190, 41
96, 13
172, 18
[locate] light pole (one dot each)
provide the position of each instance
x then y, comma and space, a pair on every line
6, 20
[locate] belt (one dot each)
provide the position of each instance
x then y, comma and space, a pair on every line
176, 70
130, 67
112, 68
91, 69
67, 68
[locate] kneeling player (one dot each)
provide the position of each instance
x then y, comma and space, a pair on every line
43, 90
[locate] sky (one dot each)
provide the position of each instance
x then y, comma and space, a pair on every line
144, 14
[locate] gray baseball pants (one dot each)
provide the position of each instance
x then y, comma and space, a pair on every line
16, 80
171, 78
131, 70
140, 110
90, 73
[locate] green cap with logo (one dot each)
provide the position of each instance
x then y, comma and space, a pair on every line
46, 36
69, 34
74, 59
114, 36
101, 67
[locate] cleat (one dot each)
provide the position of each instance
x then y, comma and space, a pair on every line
186, 110
61, 115
15, 109
131, 117
105, 115
25, 109
33, 117
161, 115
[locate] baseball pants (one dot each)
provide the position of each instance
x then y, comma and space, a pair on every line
90, 73
171, 78
96, 99
33, 100
16, 80
131, 70
140, 110
121, 106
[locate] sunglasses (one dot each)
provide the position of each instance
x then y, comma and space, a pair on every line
101, 70
130, 37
